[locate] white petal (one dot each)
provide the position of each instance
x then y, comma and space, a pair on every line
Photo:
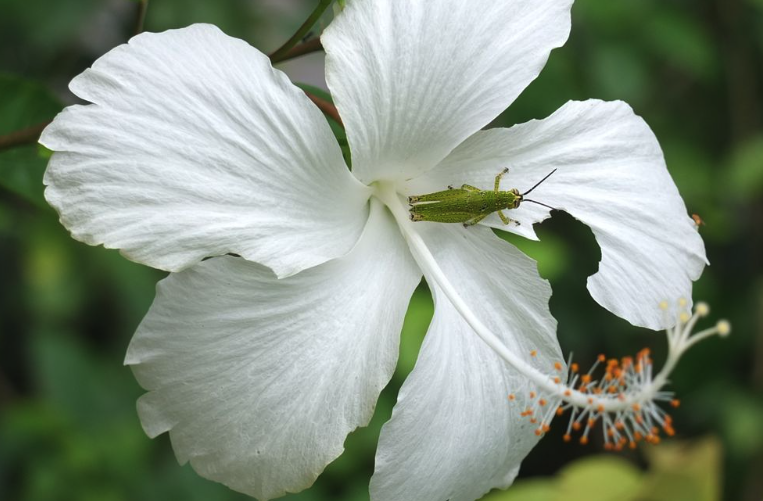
453, 433
412, 79
612, 176
259, 380
197, 147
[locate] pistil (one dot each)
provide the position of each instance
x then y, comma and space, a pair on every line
625, 398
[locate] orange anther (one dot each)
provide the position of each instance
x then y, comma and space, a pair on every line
576, 426
532, 394
643, 354
533, 353
546, 428
583, 440
590, 401
600, 408
602, 358
559, 411
512, 397
574, 367
557, 380
632, 444
567, 393
675, 403
619, 425
566, 438
558, 366
541, 402
611, 432
586, 378
533, 420
608, 446
538, 432
591, 422
636, 407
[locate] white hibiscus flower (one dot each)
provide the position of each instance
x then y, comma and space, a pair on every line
260, 365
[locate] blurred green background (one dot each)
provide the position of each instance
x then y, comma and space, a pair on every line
692, 68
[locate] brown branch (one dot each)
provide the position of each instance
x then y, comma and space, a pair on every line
30, 135
308, 47
326, 107
141, 17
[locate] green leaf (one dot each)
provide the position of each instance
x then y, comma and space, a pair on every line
526, 490
23, 104
338, 7
599, 478
417, 320
551, 252
684, 471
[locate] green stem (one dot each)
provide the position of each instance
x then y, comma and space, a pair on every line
278, 55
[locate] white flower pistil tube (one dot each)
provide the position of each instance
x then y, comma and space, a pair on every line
625, 399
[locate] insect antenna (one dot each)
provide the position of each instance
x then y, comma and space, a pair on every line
538, 184
540, 203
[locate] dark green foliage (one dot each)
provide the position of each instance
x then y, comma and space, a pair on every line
691, 68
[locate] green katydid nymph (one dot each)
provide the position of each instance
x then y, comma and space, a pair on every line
469, 205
